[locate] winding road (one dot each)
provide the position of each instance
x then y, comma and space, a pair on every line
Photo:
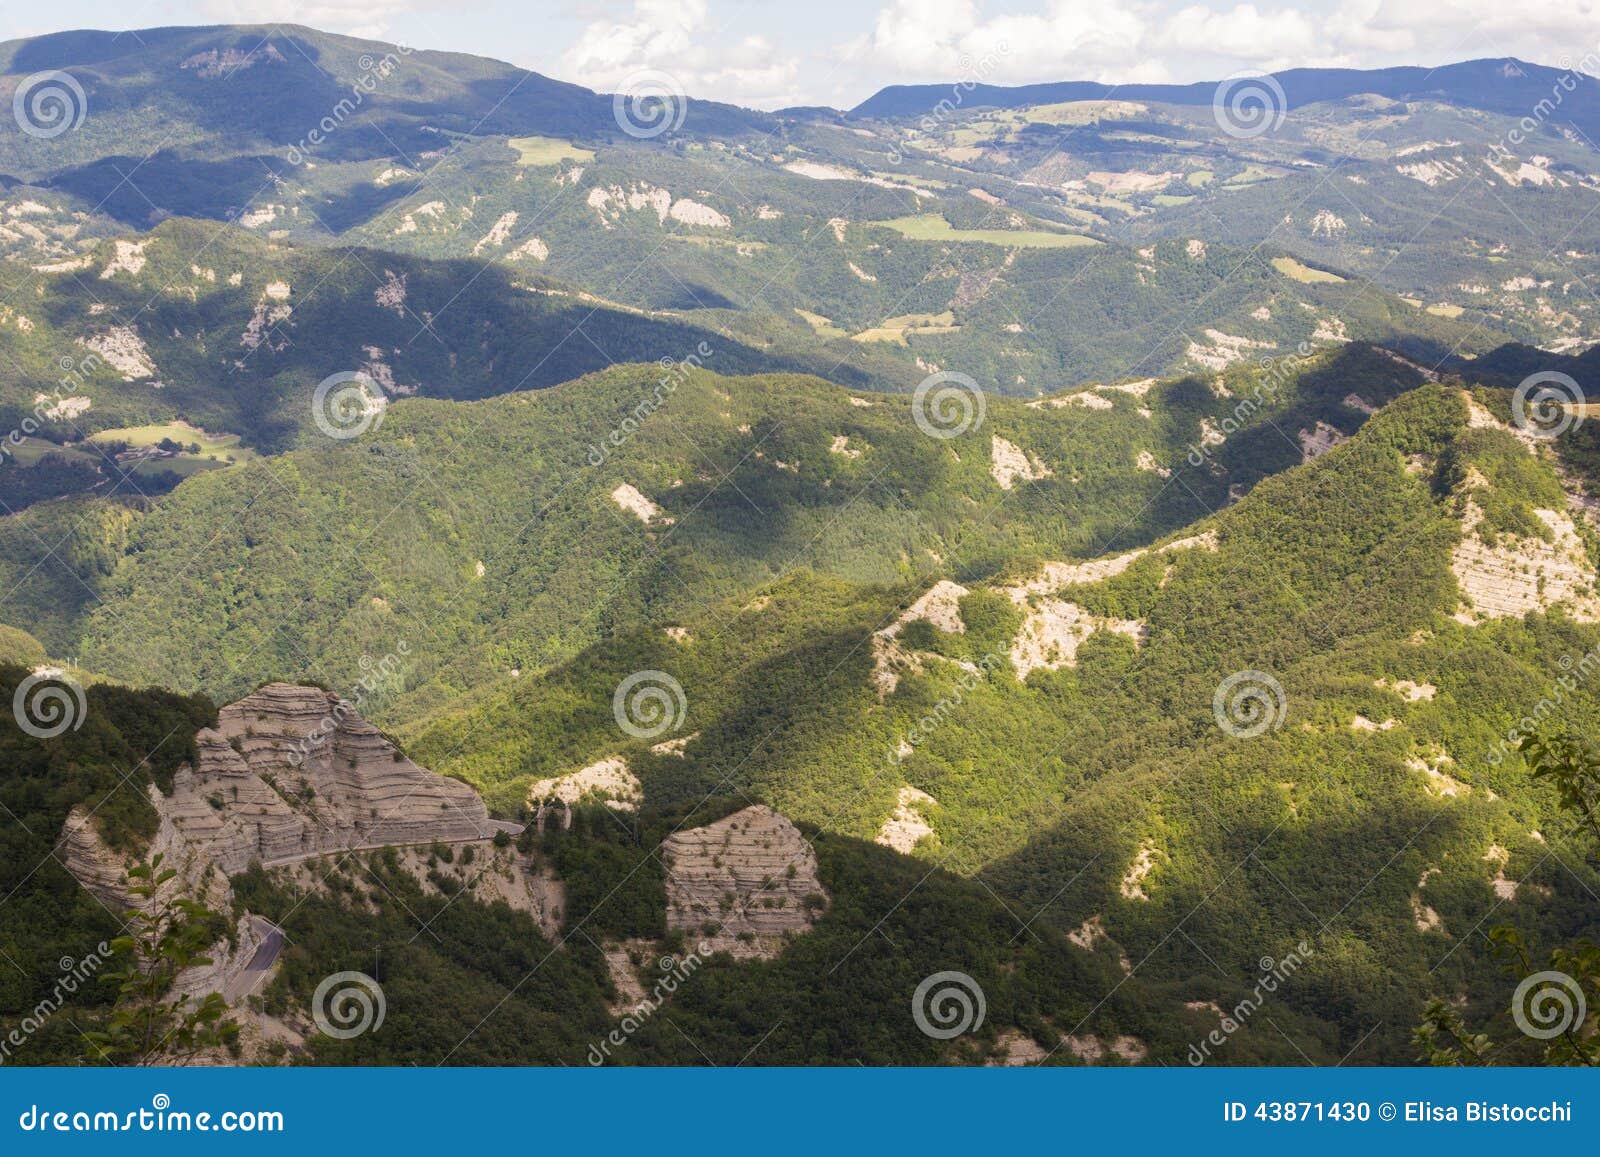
255, 973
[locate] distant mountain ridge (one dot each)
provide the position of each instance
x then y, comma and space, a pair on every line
266, 87
1503, 85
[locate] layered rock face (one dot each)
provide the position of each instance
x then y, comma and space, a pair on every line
742, 884
288, 773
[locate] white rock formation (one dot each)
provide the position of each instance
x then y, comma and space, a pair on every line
1514, 577
128, 257
123, 350
1008, 462
742, 884
1054, 628
1132, 883
607, 779
1223, 349
287, 774
940, 606
906, 826
1315, 443
631, 499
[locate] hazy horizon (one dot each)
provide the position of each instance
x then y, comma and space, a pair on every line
762, 55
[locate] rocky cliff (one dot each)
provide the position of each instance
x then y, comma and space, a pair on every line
743, 884
288, 773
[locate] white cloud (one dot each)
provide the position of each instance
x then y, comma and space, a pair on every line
676, 38
1132, 41
949, 40
658, 35
1243, 32
364, 18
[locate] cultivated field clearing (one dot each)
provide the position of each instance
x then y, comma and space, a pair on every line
216, 450
932, 227
1291, 268
536, 151
896, 329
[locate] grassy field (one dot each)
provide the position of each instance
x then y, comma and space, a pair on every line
1080, 112
547, 151
216, 450
28, 452
932, 227
1293, 269
1252, 175
896, 329
822, 325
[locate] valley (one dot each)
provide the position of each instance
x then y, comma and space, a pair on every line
1050, 536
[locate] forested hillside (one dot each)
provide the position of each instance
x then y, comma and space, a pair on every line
1055, 537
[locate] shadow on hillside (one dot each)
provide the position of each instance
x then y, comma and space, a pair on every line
1250, 887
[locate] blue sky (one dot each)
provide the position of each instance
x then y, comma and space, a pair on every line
769, 53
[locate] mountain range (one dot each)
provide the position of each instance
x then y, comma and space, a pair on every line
1047, 534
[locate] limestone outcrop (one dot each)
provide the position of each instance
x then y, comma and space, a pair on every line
1512, 577
939, 606
744, 884
288, 773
